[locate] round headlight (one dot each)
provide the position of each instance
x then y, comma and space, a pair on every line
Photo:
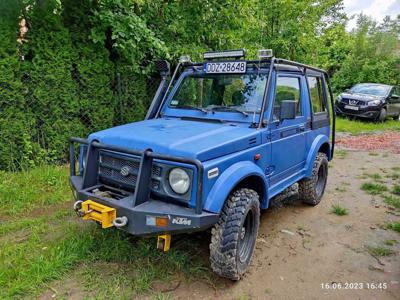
179, 180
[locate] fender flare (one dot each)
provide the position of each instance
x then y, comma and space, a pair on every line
228, 180
312, 154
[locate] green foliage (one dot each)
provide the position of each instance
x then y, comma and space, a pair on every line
360, 126
41, 245
63, 87
395, 226
118, 23
87, 65
380, 251
392, 200
396, 189
373, 188
390, 242
338, 210
374, 56
19, 193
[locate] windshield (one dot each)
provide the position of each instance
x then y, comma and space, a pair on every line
229, 92
370, 89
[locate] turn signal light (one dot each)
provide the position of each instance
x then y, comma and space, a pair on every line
157, 221
161, 221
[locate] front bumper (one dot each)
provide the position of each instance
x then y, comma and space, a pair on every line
370, 112
138, 207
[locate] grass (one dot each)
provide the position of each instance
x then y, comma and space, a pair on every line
338, 210
390, 242
393, 176
341, 189
29, 265
396, 189
374, 176
373, 188
339, 153
392, 201
23, 191
380, 251
360, 126
39, 250
395, 226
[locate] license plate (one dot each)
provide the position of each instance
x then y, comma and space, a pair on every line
225, 67
351, 107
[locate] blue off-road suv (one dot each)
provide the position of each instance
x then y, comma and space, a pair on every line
220, 139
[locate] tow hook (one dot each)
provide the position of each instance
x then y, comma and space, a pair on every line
164, 242
78, 208
78, 205
120, 222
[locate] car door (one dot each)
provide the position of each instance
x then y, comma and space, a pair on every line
394, 102
288, 142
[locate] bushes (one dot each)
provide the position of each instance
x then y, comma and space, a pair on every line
86, 65
65, 85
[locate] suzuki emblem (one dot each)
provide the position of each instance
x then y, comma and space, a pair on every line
125, 171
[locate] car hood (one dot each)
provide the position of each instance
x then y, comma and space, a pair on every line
357, 96
192, 139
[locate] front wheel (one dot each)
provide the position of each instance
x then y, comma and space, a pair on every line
234, 236
312, 189
382, 115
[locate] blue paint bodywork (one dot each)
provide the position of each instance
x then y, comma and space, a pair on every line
286, 149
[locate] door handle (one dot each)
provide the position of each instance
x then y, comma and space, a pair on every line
302, 128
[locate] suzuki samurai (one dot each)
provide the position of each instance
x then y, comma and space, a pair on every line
220, 139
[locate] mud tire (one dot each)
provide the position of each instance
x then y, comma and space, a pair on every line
231, 247
312, 189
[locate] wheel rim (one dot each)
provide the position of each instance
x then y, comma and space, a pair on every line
321, 180
246, 237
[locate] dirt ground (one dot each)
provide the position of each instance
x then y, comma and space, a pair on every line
316, 249
324, 248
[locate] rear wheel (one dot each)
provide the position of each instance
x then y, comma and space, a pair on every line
312, 189
234, 236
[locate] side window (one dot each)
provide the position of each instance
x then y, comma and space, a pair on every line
315, 85
396, 91
287, 88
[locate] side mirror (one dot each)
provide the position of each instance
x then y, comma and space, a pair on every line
288, 110
162, 67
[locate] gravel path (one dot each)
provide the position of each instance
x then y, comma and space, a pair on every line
389, 140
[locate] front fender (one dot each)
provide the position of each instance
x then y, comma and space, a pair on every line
312, 154
228, 180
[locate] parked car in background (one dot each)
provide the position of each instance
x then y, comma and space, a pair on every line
370, 100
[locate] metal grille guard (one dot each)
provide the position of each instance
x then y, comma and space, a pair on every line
142, 190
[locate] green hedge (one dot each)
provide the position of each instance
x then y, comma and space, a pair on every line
65, 86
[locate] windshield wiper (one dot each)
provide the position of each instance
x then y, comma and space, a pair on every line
228, 108
192, 107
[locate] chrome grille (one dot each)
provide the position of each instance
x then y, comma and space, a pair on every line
110, 166
353, 102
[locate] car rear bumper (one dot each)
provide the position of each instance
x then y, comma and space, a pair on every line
362, 112
180, 219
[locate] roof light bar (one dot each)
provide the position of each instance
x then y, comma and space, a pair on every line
185, 59
225, 54
265, 53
